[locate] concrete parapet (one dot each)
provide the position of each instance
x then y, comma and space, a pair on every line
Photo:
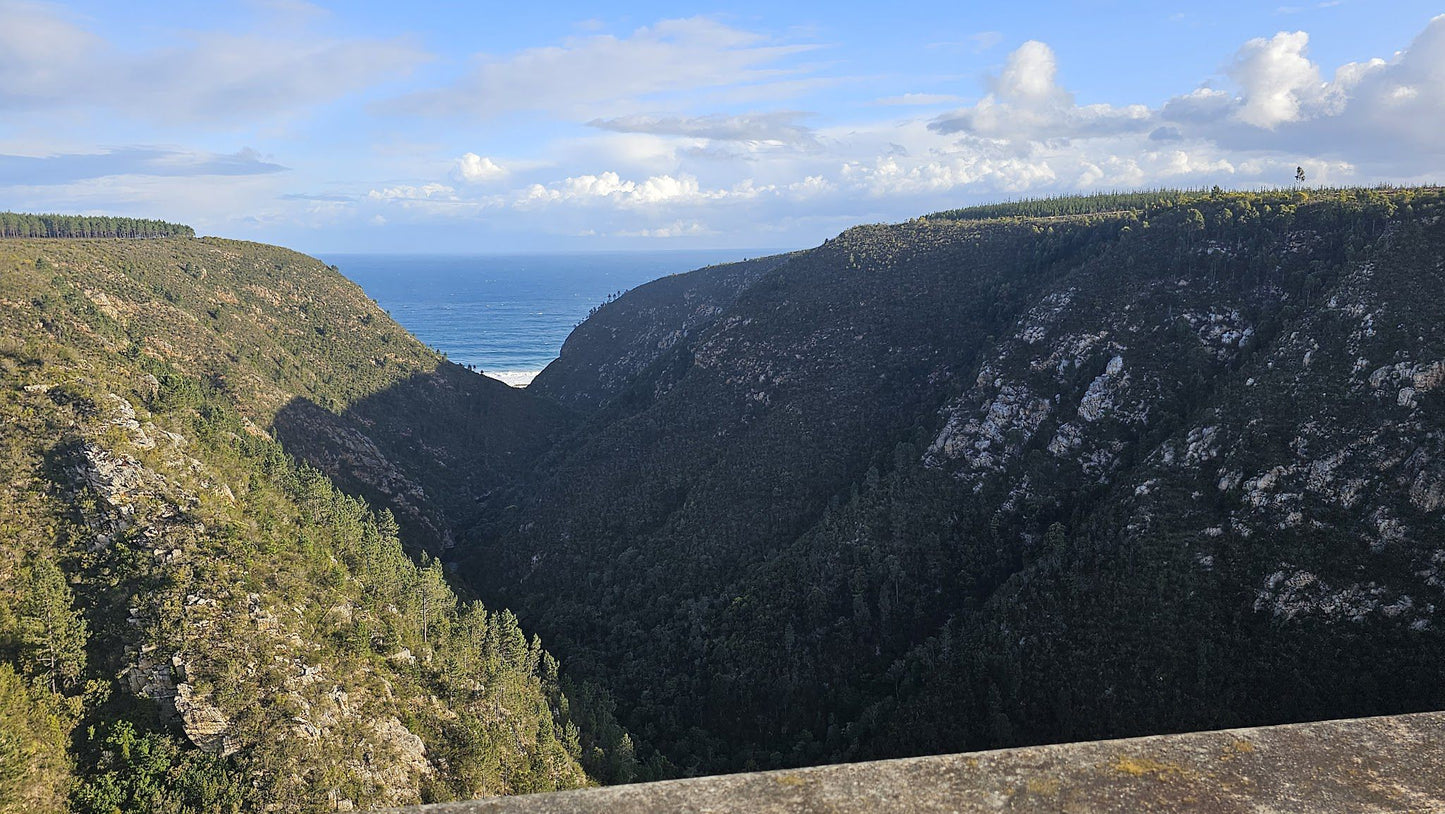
1393, 763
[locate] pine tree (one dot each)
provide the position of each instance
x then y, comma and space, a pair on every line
52, 633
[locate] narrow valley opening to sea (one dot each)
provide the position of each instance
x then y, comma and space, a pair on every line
507, 315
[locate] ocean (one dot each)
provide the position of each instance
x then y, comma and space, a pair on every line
508, 314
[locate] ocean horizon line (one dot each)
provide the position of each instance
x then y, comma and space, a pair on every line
506, 315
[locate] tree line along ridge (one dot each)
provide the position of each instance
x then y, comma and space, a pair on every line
16, 224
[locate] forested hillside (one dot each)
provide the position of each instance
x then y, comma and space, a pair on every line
1038, 471
1137, 464
299, 349
607, 353
193, 620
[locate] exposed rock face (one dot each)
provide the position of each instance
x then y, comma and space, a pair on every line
405, 766
987, 442
115, 478
151, 678
1100, 396
204, 724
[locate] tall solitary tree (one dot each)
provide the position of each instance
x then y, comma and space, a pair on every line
52, 633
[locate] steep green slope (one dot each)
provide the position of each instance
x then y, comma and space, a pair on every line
297, 347
900, 495
197, 621
1276, 557
623, 338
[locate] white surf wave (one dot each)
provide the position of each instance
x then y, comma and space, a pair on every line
516, 378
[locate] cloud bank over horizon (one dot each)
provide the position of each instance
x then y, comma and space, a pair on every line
320, 130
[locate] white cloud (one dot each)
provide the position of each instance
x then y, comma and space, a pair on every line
49, 60
476, 169
1199, 105
811, 186
1028, 77
599, 74
674, 229
413, 193
778, 127
210, 207
889, 177
644, 174
1276, 80
65, 168
665, 138
423, 201
225, 77
611, 187
38, 47
1378, 113
1027, 103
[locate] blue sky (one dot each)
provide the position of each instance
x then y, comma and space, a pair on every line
431, 126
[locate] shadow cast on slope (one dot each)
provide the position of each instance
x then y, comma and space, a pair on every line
432, 448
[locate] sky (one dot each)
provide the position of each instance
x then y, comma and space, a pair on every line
427, 126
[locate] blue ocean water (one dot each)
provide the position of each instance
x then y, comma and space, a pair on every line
507, 314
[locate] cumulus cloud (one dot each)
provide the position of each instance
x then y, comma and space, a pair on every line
1276, 80
1026, 102
668, 141
66, 168
476, 169
405, 192
890, 177
602, 72
1378, 114
609, 186
1382, 113
430, 200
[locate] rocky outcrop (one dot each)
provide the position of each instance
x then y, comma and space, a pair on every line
204, 724
986, 442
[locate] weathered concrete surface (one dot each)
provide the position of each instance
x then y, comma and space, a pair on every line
1394, 763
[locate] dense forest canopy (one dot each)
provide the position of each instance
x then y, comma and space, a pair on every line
1049, 470
1144, 201
16, 224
